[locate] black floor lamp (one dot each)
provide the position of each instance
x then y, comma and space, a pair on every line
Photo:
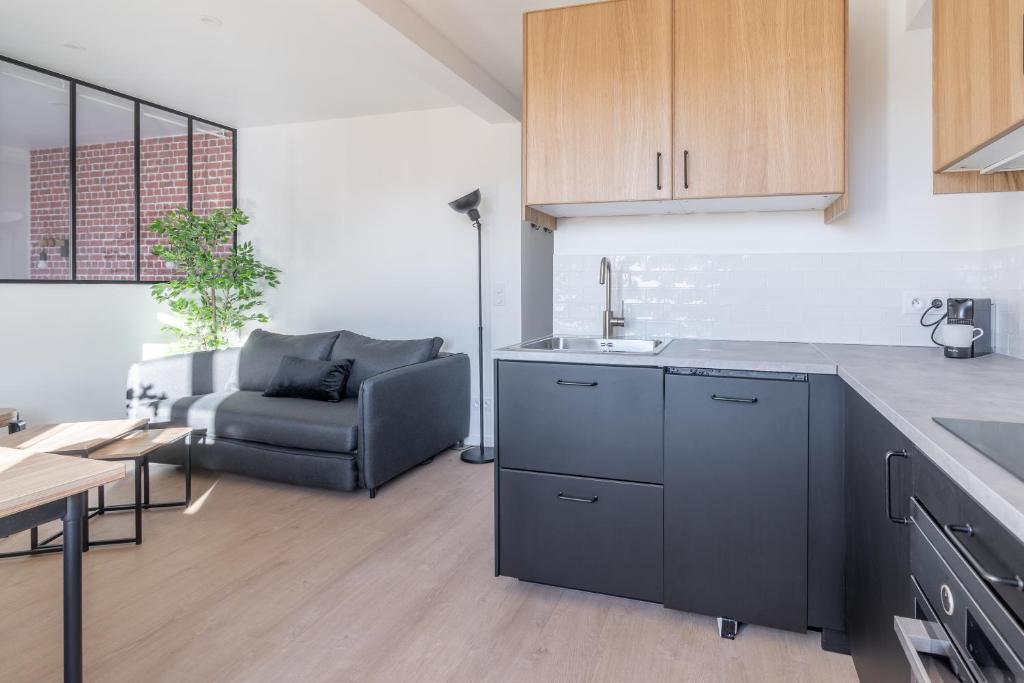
469, 205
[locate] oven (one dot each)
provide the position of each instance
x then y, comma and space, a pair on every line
961, 630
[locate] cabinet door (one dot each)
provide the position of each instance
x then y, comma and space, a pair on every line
597, 105
760, 97
878, 550
736, 499
978, 74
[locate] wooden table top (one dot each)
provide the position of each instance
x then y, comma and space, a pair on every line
7, 416
29, 479
71, 438
140, 443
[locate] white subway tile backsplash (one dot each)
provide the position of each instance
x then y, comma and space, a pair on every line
843, 298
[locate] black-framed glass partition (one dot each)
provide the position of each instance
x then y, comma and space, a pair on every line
85, 170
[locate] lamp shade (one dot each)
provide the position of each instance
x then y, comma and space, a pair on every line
468, 204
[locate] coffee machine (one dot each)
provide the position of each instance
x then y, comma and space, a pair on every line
974, 312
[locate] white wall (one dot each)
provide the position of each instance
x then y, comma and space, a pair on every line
892, 205
355, 213
66, 348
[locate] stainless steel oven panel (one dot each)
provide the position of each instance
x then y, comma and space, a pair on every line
930, 654
983, 631
929, 649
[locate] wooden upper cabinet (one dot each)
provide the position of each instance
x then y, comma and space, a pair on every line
978, 75
597, 103
760, 98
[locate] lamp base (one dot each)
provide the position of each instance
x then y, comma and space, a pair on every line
478, 455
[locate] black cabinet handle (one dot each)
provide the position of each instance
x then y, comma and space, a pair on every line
658, 170
686, 169
888, 486
951, 531
567, 383
733, 399
574, 499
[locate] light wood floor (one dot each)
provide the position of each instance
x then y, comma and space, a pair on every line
265, 582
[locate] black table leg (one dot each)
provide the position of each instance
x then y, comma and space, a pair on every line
188, 472
74, 523
138, 502
145, 474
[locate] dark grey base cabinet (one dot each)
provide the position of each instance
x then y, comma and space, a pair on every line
591, 534
878, 549
736, 499
675, 487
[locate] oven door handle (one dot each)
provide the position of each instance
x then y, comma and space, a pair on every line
951, 531
923, 637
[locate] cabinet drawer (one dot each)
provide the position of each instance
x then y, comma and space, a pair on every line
589, 534
584, 420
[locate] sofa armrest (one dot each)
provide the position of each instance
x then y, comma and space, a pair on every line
154, 386
410, 414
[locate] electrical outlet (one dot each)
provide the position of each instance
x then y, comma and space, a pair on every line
917, 303
499, 294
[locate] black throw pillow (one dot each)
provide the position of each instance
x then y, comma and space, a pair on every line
320, 380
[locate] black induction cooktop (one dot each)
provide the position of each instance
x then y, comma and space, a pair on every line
1002, 442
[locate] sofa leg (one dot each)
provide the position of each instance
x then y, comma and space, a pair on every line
373, 493
460, 444
427, 461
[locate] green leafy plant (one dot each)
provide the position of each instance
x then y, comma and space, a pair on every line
219, 288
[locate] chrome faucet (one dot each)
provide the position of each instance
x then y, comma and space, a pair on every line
609, 321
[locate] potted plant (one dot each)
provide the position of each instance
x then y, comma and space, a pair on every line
218, 288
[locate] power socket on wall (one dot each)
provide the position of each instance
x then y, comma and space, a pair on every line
915, 302
487, 404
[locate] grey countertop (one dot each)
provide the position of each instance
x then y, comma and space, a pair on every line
696, 353
908, 385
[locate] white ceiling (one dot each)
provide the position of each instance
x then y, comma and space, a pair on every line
269, 61
489, 31
265, 62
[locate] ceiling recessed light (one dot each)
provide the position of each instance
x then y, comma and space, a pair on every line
211, 21
73, 46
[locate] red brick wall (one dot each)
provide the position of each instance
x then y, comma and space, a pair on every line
106, 201
105, 227
164, 182
50, 199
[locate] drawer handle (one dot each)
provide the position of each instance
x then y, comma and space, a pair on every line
733, 399
567, 383
951, 531
888, 486
574, 499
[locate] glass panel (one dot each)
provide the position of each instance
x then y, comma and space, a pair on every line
164, 180
211, 169
35, 193
211, 172
105, 177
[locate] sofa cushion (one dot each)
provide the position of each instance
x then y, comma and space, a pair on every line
263, 351
285, 422
373, 356
318, 380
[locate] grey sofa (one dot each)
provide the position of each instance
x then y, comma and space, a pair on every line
405, 403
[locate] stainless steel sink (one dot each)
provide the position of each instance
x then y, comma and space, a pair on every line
591, 345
